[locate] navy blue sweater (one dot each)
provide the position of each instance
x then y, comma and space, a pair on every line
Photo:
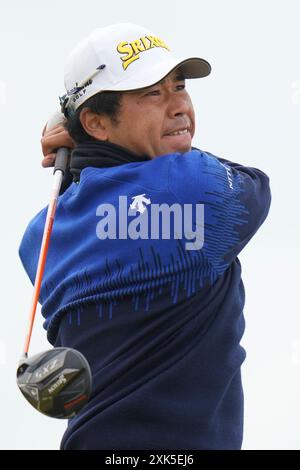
159, 323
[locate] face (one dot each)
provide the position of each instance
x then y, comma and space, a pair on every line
155, 121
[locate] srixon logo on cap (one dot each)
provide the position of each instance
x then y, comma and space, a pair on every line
133, 49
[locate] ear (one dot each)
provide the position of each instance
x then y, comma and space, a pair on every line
96, 125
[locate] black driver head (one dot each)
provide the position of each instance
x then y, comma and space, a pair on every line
56, 382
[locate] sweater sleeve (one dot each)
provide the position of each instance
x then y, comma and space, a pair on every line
31, 244
236, 201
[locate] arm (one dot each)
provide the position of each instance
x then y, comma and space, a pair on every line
236, 201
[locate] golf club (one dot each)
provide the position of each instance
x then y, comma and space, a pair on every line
56, 382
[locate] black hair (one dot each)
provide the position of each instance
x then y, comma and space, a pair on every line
106, 102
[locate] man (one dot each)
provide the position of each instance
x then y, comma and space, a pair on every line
142, 274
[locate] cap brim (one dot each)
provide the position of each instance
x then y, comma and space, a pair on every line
192, 67
195, 67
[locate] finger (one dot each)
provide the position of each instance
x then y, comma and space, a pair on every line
45, 131
49, 160
55, 130
52, 142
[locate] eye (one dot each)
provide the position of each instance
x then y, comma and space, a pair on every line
181, 86
153, 93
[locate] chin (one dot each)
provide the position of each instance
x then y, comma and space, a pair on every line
182, 149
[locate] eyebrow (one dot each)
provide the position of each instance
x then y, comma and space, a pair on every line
177, 77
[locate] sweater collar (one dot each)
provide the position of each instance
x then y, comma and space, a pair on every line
100, 154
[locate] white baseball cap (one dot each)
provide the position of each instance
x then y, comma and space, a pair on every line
121, 57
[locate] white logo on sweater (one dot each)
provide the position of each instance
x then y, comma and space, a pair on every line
138, 203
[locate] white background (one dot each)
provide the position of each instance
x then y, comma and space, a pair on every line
248, 111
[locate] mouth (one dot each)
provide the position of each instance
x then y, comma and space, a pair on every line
183, 131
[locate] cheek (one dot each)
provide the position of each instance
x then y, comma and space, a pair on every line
150, 126
192, 118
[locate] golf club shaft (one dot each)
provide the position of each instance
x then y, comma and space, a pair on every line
59, 170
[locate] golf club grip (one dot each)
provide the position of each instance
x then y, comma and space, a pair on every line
61, 160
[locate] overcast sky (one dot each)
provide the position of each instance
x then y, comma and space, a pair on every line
248, 111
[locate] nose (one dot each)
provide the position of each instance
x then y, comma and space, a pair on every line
178, 104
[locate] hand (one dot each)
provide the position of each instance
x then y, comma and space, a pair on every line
51, 140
